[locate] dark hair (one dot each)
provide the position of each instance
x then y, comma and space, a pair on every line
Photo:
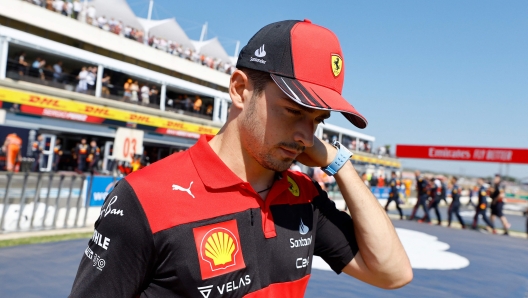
393, 173
259, 79
454, 177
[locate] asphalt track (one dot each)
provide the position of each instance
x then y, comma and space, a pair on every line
498, 268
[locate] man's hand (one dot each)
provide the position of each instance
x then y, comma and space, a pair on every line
320, 154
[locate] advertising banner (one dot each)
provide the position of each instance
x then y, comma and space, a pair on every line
49, 106
482, 154
101, 187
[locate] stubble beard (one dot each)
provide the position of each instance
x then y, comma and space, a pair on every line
255, 143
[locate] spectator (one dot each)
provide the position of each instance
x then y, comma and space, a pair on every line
77, 7
101, 21
38, 66
128, 92
134, 89
105, 88
22, 64
91, 14
187, 103
90, 78
57, 72
154, 95
58, 6
197, 104
145, 94
68, 8
82, 86
209, 111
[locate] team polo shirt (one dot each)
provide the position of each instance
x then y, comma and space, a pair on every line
187, 226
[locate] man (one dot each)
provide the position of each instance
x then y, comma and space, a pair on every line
57, 154
82, 153
36, 152
435, 193
94, 155
480, 209
57, 72
394, 194
11, 147
422, 193
226, 216
497, 203
455, 204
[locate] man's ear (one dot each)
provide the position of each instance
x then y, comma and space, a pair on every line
239, 88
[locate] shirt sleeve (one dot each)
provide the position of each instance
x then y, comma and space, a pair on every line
335, 240
119, 258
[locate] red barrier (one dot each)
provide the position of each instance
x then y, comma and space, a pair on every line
482, 154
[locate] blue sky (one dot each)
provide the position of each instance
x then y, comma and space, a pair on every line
421, 72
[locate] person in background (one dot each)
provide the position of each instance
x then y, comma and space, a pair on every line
455, 204
94, 155
127, 87
82, 86
77, 7
394, 194
481, 206
145, 94
38, 66
422, 190
435, 193
57, 72
470, 195
197, 107
134, 89
36, 151
82, 154
22, 64
365, 179
497, 194
105, 82
154, 95
11, 147
57, 153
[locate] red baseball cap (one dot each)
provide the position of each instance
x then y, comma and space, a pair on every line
305, 61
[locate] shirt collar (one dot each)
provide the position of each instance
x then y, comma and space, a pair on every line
211, 169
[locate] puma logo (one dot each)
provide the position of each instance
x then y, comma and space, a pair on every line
187, 190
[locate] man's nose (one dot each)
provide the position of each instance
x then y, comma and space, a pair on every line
304, 133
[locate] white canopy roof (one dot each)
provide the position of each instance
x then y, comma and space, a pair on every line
117, 9
168, 29
212, 48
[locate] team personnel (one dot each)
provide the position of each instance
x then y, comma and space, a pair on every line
444, 190
57, 154
94, 156
82, 154
435, 193
480, 209
497, 203
11, 147
394, 194
455, 204
36, 153
227, 217
422, 189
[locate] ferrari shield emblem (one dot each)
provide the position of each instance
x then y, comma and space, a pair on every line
337, 64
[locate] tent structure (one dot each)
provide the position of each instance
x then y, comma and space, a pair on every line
168, 29
212, 48
118, 10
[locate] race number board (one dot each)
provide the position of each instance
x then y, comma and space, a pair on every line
128, 142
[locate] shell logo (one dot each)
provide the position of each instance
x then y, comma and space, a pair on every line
219, 248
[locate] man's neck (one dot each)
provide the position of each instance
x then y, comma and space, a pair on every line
228, 146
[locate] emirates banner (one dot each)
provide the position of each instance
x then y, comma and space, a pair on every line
483, 154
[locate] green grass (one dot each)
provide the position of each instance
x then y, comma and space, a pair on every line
44, 239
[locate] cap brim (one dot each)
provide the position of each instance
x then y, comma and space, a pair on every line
318, 97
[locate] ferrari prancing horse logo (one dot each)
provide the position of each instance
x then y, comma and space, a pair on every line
337, 64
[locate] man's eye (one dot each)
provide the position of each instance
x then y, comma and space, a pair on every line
292, 111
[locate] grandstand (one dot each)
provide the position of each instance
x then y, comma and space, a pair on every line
71, 75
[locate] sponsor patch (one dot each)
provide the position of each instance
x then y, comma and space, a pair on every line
219, 249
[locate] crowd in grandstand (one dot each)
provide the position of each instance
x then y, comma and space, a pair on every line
76, 10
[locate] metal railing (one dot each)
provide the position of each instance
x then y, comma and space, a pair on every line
43, 201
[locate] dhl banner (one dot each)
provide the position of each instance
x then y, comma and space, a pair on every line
38, 104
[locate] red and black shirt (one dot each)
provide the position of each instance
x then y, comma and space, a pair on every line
187, 226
